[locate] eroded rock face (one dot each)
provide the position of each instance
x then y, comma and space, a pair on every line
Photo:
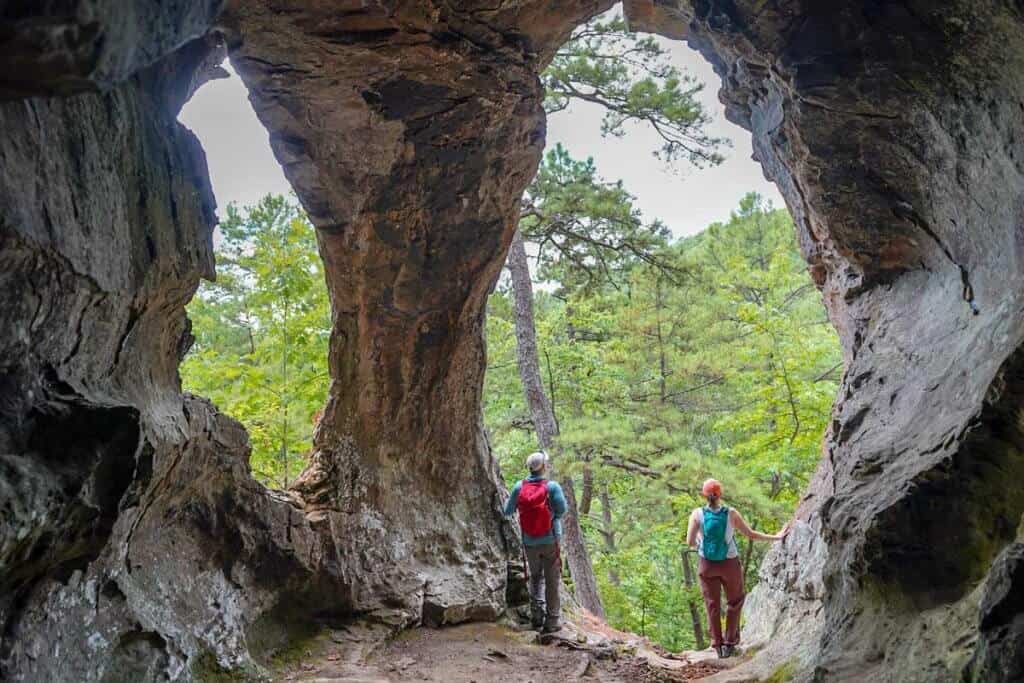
78, 45
134, 545
105, 220
409, 133
893, 131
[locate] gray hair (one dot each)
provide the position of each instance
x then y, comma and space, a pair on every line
537, 461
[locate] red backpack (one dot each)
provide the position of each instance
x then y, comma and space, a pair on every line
535, 515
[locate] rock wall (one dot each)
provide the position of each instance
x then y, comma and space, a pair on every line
409, 134
134, 545
893, 130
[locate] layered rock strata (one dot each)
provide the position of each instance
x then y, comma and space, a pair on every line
134, 543
893, 130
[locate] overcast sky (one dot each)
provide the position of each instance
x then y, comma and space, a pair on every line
243, 168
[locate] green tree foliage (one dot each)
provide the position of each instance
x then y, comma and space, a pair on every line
261, 334
595, 232
713, 357
786, 359
586, 229
632, 79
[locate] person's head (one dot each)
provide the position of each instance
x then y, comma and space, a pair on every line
712, 490
537, 462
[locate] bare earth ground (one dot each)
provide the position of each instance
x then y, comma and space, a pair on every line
490, 653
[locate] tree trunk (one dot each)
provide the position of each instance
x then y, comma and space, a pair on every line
544, 423
607, 533
587, 495
662, 360
527, 356
695, 615
583, 580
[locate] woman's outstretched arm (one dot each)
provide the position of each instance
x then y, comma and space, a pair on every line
741, 525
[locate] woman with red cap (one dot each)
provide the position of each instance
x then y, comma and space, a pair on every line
712, 532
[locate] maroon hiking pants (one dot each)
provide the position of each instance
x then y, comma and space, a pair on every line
714, 576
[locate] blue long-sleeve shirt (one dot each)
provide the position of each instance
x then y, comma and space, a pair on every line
556, 499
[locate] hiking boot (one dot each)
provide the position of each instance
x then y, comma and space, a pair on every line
722, 651
728, 651
550, 627
537, 624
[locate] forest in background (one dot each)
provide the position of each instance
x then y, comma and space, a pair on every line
716, 360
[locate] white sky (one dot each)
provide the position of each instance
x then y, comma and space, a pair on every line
243, 169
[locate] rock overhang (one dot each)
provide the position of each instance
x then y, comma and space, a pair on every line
409, 131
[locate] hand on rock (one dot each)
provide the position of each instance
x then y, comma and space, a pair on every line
785, 531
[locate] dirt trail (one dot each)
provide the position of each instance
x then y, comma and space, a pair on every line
490, 653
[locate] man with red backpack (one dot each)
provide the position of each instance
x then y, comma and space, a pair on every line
541, 504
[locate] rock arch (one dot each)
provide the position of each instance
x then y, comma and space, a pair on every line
409, 131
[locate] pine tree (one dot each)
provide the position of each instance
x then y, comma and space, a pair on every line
589, 223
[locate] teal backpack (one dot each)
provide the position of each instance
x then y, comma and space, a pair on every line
714, 546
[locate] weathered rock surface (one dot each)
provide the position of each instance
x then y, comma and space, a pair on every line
134, 545
78, 45
999, 655
134, 542
105, 229
409, 133
893, 131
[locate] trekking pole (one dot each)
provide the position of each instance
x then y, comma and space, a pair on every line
526, 568
526, 575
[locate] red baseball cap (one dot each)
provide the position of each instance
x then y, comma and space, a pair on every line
711, 488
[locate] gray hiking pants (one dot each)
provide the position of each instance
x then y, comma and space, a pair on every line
545, 565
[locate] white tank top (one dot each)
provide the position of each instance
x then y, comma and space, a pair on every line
730, 537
